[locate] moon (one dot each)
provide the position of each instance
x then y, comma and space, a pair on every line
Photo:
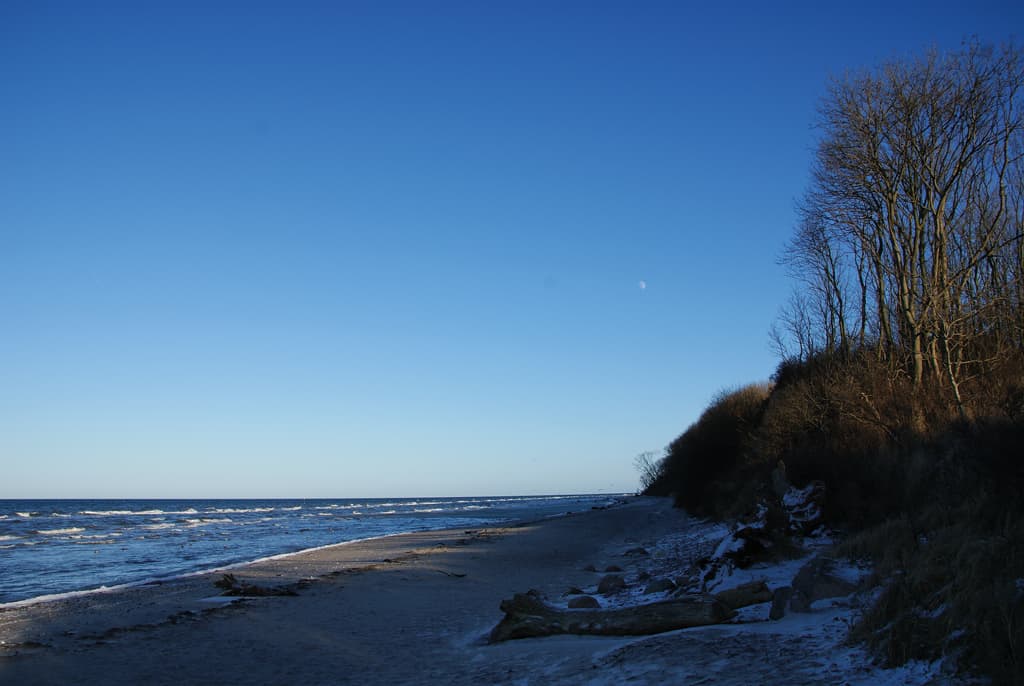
642, 285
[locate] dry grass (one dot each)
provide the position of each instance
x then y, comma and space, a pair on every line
936, 502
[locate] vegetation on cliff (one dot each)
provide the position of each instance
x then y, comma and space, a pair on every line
902, 381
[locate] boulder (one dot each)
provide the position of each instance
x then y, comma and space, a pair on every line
584, 602
660, 586
613, 583
817, 580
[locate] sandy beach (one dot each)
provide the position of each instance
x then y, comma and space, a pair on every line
412, 609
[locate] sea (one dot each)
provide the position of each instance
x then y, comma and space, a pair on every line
51, 548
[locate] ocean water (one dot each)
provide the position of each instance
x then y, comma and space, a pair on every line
52, 547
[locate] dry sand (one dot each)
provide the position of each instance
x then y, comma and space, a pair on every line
406, 609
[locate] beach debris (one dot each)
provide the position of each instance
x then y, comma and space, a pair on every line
803, 507
457, 575
780, 601
528, 616
12, 648
233, 587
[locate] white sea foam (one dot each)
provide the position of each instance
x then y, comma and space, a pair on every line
9, 538
136, 513
212, 521
232, 510
64, 596
204, 521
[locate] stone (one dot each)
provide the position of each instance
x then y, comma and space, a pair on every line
660, 586
613, 568
817, 580
799, 602
613, 583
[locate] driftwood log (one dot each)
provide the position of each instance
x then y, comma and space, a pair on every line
528, 616
751, 593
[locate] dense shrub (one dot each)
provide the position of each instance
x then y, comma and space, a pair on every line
931, 496
952, 563
701, 466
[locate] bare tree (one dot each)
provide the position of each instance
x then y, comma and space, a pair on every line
911, 230
649, 465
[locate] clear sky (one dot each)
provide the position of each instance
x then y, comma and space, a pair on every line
336, 249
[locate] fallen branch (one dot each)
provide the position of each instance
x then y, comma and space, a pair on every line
528, 616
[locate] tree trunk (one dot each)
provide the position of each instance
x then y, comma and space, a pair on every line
527, 616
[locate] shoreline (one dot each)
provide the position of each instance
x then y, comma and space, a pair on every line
418, 607
157, 581
239, 564
371, 582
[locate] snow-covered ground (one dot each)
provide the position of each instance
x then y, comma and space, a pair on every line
800, 648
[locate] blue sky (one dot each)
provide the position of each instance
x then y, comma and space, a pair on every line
385, 249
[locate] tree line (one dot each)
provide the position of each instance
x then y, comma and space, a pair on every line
910, 242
